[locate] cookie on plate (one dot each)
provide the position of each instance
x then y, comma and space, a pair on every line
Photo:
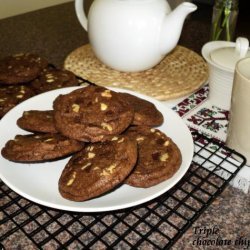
12, 95
145, 112
52, 78
21, 68
159, 158
38, 121
92, 114
39, 147
98, 168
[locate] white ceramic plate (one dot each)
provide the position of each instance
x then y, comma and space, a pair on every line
39, 182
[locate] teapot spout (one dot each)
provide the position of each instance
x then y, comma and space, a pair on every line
172, 26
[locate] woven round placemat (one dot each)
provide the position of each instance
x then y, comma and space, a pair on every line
180, 73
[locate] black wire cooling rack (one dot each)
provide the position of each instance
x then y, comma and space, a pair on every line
157, 224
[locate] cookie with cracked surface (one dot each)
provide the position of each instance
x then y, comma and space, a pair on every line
37, 121
159, 157
21, 68
12, 95
92, 114
39, 147
52, 78
98, 168
146, 112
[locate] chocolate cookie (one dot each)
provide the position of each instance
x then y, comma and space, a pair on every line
12, 95
53, 78
158, 158
39, 147
38, 121
92, 114
98, 168
145, 112
21, 68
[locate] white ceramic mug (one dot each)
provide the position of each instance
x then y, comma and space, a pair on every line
238, 136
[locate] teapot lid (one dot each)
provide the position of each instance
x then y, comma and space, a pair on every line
228, 56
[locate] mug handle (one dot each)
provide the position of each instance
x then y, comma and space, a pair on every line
82, 18
242, 45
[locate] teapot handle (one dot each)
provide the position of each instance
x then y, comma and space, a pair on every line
82, 18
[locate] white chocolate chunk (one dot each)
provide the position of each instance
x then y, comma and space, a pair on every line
90, 148
19, 54
104, 173
50, 80
49, 139
164, 157
111, 168
75, 108
140, 138
103, 107
91, 155
86, 165
70, 182
121, 140
106, 126
106, 93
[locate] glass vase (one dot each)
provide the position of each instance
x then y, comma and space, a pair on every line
224, 19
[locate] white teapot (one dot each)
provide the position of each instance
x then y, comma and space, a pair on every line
132, 35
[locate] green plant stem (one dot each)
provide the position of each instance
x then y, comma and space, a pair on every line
219, 25
227, 22
216, 25
228, 31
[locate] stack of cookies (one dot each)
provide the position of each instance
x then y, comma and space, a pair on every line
111, 138
25, 75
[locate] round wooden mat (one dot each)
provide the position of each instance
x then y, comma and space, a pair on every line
180, 73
